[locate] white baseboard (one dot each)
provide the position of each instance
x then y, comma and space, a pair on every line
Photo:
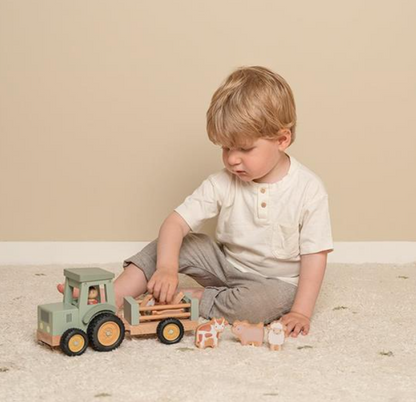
47, 253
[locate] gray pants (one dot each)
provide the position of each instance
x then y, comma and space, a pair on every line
228, 293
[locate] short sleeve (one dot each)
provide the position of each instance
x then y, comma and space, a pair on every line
205, 202
315, 232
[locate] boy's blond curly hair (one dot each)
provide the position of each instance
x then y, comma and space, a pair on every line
253, 102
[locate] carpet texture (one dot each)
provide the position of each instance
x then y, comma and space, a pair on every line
361, 347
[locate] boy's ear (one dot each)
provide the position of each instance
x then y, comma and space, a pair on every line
285, 138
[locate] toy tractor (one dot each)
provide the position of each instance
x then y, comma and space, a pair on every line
91, 318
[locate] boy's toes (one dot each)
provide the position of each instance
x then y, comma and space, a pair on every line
61, 289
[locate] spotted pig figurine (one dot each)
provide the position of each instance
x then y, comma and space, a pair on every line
249, 334
208, 333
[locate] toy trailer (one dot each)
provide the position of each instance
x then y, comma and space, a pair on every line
169, 321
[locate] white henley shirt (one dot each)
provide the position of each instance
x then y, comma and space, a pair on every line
264, 228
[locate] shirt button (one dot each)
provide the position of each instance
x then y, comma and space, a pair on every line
263, 205
263, 190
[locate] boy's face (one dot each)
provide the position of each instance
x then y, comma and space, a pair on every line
261, 161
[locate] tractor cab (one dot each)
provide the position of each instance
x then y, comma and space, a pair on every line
88, 286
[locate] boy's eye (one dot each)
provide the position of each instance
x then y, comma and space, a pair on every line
238, 149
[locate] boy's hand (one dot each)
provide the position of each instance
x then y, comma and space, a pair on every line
163, 284
296, 323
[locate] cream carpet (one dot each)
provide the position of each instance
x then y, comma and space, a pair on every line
362, 347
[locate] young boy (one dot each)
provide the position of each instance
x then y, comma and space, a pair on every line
273, 233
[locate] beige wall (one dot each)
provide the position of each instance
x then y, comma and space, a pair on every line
102, 109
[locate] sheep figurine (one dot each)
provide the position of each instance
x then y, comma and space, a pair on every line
276, 335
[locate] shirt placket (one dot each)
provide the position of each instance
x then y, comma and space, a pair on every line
263, 202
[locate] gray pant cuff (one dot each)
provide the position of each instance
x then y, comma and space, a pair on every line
207, 301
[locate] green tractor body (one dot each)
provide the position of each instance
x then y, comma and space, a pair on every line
75, 315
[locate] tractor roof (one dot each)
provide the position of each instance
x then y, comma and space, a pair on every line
88, 274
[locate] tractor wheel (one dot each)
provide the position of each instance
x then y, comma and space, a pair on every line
170, 331
106, 332
74, 342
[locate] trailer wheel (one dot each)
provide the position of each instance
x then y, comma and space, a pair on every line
106, 332
170, 331
74, 342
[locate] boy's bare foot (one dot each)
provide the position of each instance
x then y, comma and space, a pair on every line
61, 289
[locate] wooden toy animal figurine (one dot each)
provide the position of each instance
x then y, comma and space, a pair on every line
208, 333
276, 335
148, 301
248, 334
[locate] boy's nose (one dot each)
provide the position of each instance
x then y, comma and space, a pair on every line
234, 160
